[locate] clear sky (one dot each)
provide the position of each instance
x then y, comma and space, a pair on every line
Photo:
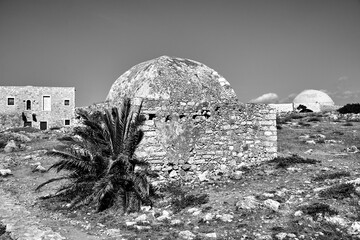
259, 46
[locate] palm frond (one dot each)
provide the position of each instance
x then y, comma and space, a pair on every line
50, 181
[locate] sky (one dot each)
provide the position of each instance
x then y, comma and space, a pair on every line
268, 48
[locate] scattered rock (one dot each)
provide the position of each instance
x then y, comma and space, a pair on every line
247, 203
129, 224
308, 151
225, 217
208, 217
237, 175
272, 204
113, 232
337, 220
298, 213
5, 172
38, 168
175, 222
192, 210
203, 176
352, 149
173, 174
304, 137
10, 146
312, 142
187, 235
281, 236
355, 228
210, 235
142, 227
165, 215
141, 218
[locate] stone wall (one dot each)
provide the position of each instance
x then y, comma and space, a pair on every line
283, 107
28, 104
190, 139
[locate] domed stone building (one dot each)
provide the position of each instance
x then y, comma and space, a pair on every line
194, 125
314, 100
171, 78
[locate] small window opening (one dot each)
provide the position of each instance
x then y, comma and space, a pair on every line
34, 117
152, 116
67, 122
11, 101
66, 102
28, 105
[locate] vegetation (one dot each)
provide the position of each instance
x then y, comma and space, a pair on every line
285, 162
350, 108
100, 161
316, 209
333, 175
181, 200
339, 191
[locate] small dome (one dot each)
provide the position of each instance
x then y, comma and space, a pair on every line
313, 96
171, 78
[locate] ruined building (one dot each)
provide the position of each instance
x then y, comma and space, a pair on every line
38, 107
195, 125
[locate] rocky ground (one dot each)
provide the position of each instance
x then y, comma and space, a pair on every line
311, 195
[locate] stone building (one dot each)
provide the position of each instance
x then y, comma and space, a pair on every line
195, 125
38, 107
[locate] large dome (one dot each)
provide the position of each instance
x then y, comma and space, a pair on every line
172, 78
313, 96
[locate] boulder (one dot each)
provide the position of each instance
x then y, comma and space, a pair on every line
10, 146
248, 203
187, 235
272, 204
5, 172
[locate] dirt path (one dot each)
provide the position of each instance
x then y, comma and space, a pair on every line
25, 225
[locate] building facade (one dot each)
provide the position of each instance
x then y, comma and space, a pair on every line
38, 107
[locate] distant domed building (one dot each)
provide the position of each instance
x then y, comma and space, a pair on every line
313, 99
172, 78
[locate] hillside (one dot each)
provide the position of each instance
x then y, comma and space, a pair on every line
311, 191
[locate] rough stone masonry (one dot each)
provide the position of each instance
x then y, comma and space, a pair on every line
195, 125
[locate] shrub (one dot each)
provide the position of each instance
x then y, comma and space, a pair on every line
181, 200
350, 108
339, 191
316, 209
314, 119
284, 162
334, 175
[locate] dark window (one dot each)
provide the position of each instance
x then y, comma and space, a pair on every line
67, 122
11, 101
28, 105
43, 125
67, 102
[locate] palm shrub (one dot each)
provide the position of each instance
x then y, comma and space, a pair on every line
100, 161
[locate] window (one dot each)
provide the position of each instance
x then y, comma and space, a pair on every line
28, 105
67, 122
43, 125
46, 103
66, 102
11, 101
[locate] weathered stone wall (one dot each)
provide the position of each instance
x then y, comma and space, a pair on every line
283, 107
190, 139
12, 115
